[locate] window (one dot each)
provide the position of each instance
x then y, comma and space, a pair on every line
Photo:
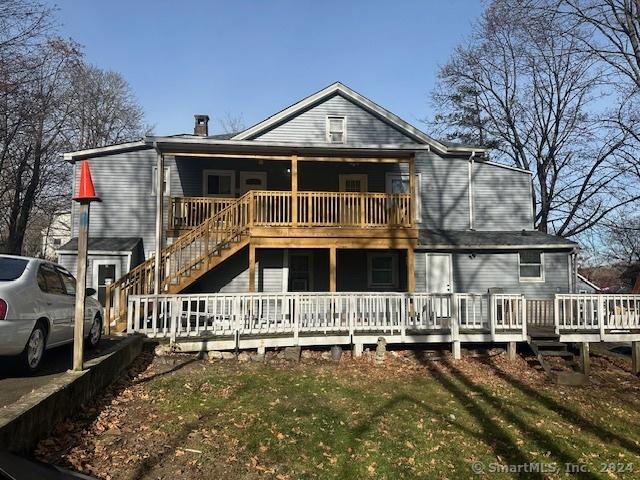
69, 282
11, 268
531, 266
382, 270
57, 242
336, 129
49, 281
219, 183
399, 183
167, 180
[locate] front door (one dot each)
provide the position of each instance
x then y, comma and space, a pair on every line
351, 209
104, 273
300, 272
440, 280
252, 181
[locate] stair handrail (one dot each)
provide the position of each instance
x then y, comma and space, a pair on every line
142, 276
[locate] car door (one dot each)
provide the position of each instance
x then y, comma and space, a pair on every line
54, 303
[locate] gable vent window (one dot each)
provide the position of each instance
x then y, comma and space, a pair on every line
336, 129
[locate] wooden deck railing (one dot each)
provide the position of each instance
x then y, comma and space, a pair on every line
189, 212
314, 209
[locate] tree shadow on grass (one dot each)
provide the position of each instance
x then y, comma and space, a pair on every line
460, 385
569, 414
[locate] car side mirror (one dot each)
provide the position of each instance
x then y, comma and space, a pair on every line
90, 292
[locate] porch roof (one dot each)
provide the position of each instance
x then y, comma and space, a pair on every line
103, 244
490, 240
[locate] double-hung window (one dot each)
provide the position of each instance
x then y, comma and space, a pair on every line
219, 183
383, 270
336, 129
166, 181
531, 266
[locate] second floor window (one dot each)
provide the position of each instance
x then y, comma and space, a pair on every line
336, 129
165, 183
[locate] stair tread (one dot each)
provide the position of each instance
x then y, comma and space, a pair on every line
555, 353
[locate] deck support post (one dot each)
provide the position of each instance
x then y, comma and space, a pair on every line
332, 269
357, 350
252, 269
294, 190
157, 271
585, 366
262, 350
511, 351
456, 350
635, 357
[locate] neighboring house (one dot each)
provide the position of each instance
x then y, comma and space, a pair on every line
56, 234
344, 196
583, 285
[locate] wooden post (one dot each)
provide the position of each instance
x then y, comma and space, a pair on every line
294, 190
511, 351
252, 269
411, 276
635, 357
585, 366
412, 189
332, 269
81, 284
107, 309
157, 277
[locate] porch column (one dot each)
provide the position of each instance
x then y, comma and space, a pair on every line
412, 188
252, 268
157, 275
332, 269
294, 190
411, 276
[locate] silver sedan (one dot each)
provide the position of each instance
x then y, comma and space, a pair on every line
37, 305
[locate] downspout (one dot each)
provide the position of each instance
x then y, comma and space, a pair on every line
574, 271
470, 180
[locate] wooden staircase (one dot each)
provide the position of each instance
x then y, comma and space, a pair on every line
554, 357
187, 259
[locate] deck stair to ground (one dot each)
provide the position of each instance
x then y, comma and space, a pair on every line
186, 260
554, 357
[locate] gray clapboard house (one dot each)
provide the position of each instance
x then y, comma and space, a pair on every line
331, 222
381, 206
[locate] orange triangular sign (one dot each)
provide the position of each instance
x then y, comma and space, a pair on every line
86, 191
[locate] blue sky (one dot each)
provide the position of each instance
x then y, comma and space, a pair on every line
256, 57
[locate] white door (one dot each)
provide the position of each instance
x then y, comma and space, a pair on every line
439, 280
104, 273
353, 182
439, 273
351, 208
252, 181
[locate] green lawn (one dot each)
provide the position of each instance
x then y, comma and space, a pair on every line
407, 419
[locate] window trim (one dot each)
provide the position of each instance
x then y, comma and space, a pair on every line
539, 279
167, 180
395, 274
390, 176
328, 131
229, 173
94, 274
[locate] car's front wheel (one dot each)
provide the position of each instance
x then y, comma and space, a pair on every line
95, 332
34, 350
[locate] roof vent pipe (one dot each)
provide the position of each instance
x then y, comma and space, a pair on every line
201, 128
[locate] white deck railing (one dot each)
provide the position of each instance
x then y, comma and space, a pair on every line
268, 314
602, 313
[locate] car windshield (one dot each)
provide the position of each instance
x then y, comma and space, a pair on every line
11, 268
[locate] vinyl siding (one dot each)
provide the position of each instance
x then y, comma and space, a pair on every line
310, 125
500, 270
502, 198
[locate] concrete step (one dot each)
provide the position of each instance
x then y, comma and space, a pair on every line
569, 378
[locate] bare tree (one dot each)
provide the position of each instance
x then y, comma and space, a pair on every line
231, 123
105, 111
533, 92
